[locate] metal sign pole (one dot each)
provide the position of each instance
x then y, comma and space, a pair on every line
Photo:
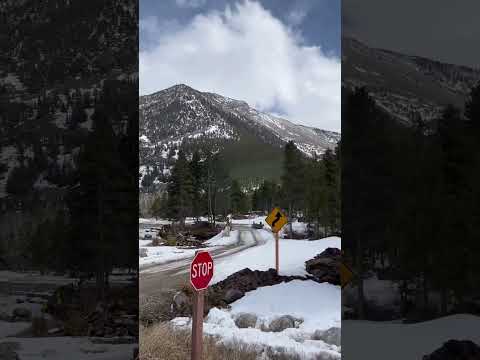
276, 253
197, 325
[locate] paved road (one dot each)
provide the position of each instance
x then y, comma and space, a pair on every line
162, 280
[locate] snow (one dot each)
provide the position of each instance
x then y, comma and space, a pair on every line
72, 348
293, 254
153, 221
319, 310
12, 328
220, 240
157, 255
250, 221
320, 303
396, 341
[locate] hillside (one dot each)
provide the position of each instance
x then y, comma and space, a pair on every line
402, 84
251, 141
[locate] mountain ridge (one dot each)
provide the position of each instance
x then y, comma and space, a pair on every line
403, 84
181, 116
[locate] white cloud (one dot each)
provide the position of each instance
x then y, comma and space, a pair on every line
190, 3
296, 16
245, 53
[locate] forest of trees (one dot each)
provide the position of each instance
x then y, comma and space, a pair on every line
94, 232
411, 202
201, 186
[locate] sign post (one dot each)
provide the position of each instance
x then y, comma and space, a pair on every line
201, 272
277, 220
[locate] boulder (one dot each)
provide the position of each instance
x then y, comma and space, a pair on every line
331, 336
281, 323
181, 304
246, 320
325, 266
456, 349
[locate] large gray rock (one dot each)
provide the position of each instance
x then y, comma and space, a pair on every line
281, 323
22, 314
325, 266
181, 303
246, 320
331, 336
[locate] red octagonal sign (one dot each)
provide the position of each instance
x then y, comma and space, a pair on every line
201, 270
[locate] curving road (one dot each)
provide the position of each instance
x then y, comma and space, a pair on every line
163, 279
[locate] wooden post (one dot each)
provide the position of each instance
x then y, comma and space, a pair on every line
276, 253
197, 325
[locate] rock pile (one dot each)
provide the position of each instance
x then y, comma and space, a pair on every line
325, 266
231, 289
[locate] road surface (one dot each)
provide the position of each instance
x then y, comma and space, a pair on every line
164, 279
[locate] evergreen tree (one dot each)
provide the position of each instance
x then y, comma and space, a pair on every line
180, 190
293, 180
197, 172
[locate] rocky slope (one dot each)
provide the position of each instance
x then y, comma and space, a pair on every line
402, 84
184, 117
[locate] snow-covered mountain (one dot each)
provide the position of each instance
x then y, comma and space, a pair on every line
184, 117
402, 84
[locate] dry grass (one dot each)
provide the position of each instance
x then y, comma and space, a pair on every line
162, 342
153, 310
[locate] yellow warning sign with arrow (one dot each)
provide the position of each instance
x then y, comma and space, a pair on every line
276, 219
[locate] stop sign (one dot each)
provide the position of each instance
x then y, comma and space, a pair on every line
201, 270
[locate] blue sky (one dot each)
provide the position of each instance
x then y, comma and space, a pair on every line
279, 56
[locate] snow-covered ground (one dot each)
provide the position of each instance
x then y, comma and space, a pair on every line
157, 255
396, 341
293, 254
72, 348
316, 305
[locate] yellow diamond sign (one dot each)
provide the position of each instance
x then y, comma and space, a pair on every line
346, 274
276, 219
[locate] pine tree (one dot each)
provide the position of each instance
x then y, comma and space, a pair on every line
197, 172
293, 180
180, 190
238, 199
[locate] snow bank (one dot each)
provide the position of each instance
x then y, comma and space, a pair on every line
317, 304
162, 254
293, 254
388, 340
220, 240
157, 255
